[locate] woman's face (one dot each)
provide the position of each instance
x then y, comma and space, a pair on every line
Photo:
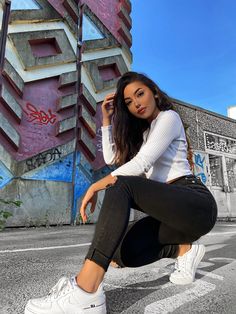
140, 101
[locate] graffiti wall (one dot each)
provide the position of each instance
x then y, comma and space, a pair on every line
50, 147
200, 166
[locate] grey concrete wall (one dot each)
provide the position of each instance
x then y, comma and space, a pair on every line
51, 199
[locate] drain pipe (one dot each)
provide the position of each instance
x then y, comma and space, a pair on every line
78, 91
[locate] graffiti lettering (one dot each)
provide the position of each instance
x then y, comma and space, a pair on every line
39, 116
99, 140
199, 169
198, 160
43, 158
202, 176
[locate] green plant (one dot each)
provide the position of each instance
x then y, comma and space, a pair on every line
4, 215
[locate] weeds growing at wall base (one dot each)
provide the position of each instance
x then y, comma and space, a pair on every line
4, 214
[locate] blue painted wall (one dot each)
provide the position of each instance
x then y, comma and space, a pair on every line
60, 170
5, 174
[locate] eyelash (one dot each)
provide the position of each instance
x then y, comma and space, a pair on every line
139, 95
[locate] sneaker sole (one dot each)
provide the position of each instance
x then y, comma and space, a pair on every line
95, 310
186, 281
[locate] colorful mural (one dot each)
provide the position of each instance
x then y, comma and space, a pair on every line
200, 167
49, 148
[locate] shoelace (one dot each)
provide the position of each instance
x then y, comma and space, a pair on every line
64, 285
180, 264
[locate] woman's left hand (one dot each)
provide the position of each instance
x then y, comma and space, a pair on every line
90, 197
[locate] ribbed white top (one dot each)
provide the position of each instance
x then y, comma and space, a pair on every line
163, 154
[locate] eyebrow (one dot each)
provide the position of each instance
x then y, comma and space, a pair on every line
134, 93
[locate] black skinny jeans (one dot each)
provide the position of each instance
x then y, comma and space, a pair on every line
178, 213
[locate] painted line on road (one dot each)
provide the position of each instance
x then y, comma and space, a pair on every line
228, 225
222, 259
214, 247
87, 244
129, 288
165, 286
46, 248
168, 305
209, 274
220, 233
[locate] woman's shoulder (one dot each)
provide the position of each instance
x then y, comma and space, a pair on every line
171, 115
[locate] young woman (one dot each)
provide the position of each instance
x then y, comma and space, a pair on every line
147, 141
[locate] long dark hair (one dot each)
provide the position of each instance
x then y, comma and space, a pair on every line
128, 129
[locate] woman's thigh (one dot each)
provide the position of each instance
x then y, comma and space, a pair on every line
191, 211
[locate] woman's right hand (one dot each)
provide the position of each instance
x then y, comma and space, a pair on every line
90, 197
108, 107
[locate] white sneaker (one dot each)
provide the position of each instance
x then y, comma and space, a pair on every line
186, 265
67, 298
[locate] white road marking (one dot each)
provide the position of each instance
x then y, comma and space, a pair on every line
228, 225
214, 247
45, 248
86, 244
220, 233
165, 286
222, 259
209, 274
204, 264
170, 304
129, 288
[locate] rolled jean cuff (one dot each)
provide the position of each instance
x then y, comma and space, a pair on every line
99, 258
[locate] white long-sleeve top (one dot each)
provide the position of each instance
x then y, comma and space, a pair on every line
163, 154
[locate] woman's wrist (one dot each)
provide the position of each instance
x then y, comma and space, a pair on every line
93, 187
103, 183
106, 122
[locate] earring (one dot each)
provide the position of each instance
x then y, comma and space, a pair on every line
156, 96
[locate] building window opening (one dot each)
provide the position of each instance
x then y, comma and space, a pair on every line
25, 5
231, 172
109, 72
90, 30
44, 47
216, 170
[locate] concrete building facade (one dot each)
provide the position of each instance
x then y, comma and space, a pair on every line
213, 141
60, 59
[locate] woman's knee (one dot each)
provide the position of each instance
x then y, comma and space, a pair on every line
123, 180
128, 183
116, 193
119, 186
116, 187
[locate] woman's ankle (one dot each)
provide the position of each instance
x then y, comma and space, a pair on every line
184, 248
87, 287
90, 276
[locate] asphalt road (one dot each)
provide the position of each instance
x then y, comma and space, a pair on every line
32, 260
